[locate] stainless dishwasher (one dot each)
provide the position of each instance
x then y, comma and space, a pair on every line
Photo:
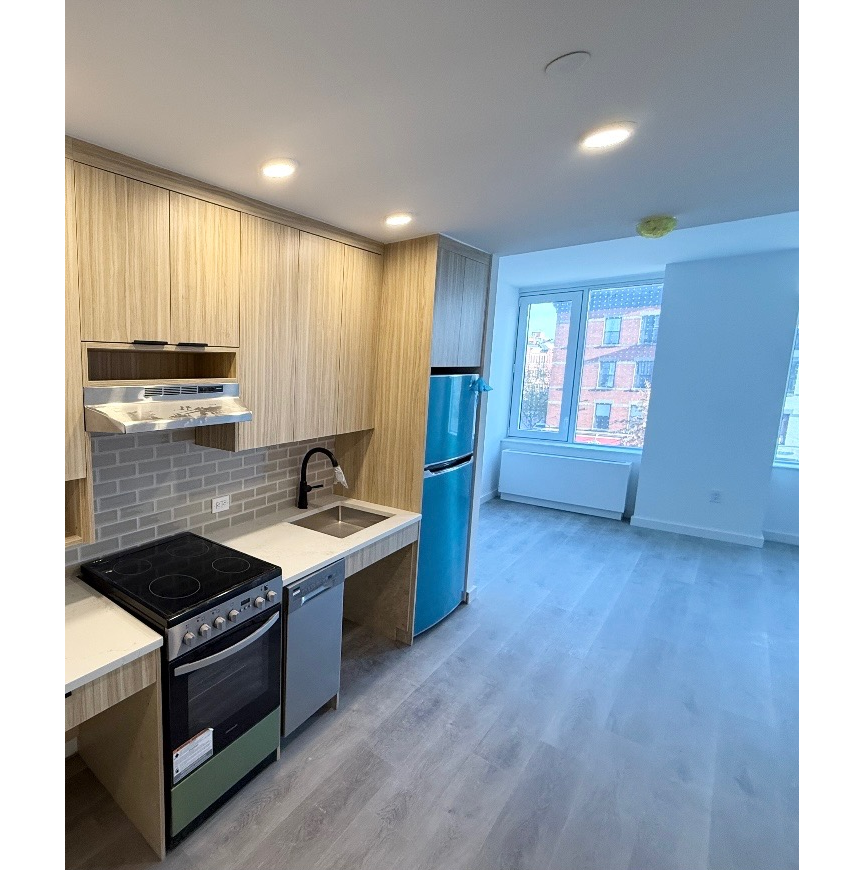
312, 610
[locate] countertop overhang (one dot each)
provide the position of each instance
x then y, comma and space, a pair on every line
100, 635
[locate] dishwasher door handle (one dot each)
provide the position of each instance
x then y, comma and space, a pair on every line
314, 594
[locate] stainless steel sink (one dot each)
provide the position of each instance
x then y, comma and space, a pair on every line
340, 521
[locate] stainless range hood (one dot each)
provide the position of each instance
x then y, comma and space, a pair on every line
155, 407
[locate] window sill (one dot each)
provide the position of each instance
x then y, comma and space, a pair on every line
789, 466
528, 441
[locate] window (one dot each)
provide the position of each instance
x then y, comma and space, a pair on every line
792, 380
602, 412
786, 452
546, 325
648, 331
643, 374
574, 342
612, 331
606, 375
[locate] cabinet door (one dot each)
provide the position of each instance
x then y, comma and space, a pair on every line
361, 301
475, 291
316, 340
460, 307
122, 257
205, 272
268, 286
75, 467
447, 316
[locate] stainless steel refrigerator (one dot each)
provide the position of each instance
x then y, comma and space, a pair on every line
447, 480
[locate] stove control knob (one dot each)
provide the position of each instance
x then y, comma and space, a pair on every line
271, 595
204, 631
219, 622
259, 602
188, 638
232, 615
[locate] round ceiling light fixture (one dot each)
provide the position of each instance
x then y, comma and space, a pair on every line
279, 168
563, 66
607, 137
656, 226
398, 219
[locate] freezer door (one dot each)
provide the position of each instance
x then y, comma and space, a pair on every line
452, 412
443, 543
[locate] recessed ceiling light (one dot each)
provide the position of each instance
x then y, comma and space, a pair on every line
607, 137
566, 64
399, 219
281, 167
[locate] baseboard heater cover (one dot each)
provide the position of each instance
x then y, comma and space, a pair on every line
593, 486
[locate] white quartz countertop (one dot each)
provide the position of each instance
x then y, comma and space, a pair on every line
100, 636
298, 551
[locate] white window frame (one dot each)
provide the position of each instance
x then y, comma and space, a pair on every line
573, 371
781, 462
575, 297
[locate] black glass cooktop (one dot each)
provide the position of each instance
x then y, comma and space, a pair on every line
176, 575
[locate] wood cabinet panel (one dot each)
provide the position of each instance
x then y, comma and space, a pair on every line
460, 307
123, 268
387, 465
475, 291
205, 272
361, 303
111, 688
268, 286
75, 466
316, 339
447, 316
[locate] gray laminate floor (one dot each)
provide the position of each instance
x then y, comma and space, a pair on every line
611, 698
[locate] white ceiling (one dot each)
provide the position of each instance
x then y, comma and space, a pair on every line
634, 256
441, 108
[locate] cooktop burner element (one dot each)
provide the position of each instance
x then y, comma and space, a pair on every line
188, 549
131, 567
174, 586
230, 565
172, 578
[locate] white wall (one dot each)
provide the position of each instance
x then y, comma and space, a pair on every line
504, 325
719, 378
781, 514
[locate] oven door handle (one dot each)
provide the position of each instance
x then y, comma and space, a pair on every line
220, 656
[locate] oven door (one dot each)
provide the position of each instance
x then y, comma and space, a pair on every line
227, 685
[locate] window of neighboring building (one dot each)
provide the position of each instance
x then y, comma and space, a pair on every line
563, 338
602, 413
786, 452
612, 331
792, 380
643, 374
649, 329
606, 375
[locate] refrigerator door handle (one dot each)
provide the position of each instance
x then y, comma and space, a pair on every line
445, 467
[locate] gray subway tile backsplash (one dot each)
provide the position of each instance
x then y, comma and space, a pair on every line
156, 484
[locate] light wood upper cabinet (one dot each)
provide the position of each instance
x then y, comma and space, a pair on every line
358, 344
75, 438
268, 286
123, 269
474, 296
460, 308
317, 336
205, 272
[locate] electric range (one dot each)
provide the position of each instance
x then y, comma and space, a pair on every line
219, 612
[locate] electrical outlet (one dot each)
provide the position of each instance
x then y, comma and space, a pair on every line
221, 504
715, 496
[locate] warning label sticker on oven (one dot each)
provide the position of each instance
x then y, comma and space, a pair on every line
193, 752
